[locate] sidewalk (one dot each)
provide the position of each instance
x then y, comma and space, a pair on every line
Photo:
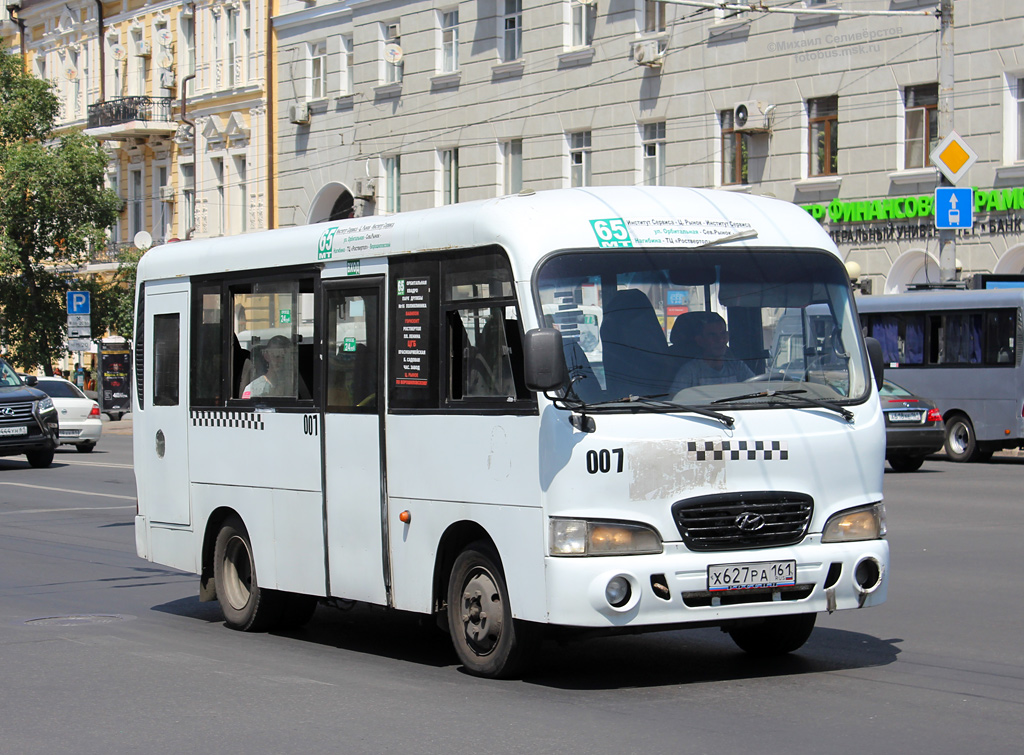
121, 427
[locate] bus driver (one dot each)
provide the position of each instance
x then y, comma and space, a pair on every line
715, 365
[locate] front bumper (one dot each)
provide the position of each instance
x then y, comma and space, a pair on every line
826, 581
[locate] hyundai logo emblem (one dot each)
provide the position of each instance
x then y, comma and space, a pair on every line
748, 521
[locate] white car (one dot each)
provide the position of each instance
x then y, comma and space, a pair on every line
79, 415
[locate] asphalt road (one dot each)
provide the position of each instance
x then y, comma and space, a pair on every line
101, 652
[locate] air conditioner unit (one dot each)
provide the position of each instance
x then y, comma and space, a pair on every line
394, 31
167, 79
365, 188
648, 52
299, 112
753, 115
166, 193
143, 50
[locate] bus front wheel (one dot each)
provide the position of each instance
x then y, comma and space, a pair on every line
961, 442
775, 635
488, 641
246, 607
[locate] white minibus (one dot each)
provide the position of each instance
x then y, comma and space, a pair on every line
552, 411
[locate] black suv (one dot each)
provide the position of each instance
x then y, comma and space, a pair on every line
28, 419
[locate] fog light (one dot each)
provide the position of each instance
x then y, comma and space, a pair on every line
618, 592
868, 574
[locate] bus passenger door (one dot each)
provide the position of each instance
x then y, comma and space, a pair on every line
161, 430
353, 439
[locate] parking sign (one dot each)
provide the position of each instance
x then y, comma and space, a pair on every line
79, 303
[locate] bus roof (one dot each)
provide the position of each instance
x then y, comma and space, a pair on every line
528, 225
918, 301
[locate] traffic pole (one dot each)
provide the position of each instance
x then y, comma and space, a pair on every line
947, 237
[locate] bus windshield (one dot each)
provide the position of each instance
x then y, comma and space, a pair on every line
715, 326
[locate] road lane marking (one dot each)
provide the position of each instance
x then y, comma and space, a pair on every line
72, 508
72, 492
93, 464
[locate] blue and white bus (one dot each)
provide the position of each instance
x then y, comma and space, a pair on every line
961, 349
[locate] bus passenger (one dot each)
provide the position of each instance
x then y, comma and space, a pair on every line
715, 365
281, 378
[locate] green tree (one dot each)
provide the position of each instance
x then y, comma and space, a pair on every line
53, 211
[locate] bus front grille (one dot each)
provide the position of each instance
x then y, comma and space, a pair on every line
735, 521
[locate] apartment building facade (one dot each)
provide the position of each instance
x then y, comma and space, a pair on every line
303, 110
185, 165
388, 106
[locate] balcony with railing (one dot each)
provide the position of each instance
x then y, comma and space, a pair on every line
125, 117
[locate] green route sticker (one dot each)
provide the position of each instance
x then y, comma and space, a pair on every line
284, 316
611, 232
401, 287
349, 344
325, 248
353, 267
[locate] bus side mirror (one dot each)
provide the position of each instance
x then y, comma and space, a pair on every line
875, 358
544, 359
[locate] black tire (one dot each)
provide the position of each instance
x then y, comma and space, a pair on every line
245, 605
115, 416
488, 641
961, 442
40, 459
776, 635
85, 448
905, 463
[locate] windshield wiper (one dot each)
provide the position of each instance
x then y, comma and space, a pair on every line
651, 403
749, 233
791, 395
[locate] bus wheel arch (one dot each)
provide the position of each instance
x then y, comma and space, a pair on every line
455, 539
207, 583
488, 640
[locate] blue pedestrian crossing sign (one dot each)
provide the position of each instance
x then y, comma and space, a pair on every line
79, 302
954, 208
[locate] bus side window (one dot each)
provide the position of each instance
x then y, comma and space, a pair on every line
166, 355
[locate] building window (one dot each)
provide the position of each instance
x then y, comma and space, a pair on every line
163, 209
450, 176
392, 70
348, 60
233, 59
512, 168
393, 183
579, 159
654, 154
735, 151
217, 164
187, 174
136, 203
922, 124
654, 16
240, 207
318, 70
1017, 93
450, 41
824, 135
513, 30
247, 51
74, 76
584, 19
188, 41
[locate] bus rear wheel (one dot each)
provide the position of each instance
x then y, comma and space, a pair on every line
488, 641
775, 635
961, 442
246, 607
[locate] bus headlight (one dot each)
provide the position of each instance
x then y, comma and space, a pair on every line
580, 537
864, 523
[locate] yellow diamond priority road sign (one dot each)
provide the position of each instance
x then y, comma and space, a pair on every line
954, 157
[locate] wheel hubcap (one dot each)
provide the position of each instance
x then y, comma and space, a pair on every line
237, 585
482, 612
959, 438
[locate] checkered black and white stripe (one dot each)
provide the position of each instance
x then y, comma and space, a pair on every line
728, 450
243, 420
